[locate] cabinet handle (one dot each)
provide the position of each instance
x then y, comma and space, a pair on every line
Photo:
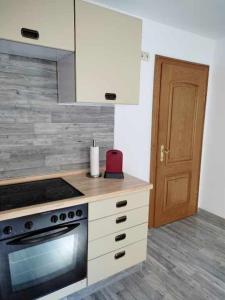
121, 219
110, 96
121, 203
30, 33
120, 254
120, 237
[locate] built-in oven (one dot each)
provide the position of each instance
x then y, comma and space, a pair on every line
43, 253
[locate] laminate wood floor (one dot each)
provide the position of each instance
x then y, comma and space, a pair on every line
186, 261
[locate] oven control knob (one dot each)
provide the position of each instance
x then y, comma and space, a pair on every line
71, 214
7, 230
54, 219
28, 225
79, 213
62, 217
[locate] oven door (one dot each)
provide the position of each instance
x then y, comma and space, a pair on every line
41, 262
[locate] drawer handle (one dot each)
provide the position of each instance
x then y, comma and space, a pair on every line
121, 219
110, 96
120, 237
119, 254
30, 33
121, 203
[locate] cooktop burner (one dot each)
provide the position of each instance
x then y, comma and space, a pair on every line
35, 192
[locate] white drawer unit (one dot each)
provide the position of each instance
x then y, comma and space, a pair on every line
117, 234
117, 240
116, 261
103, 227
116, 205
43, 22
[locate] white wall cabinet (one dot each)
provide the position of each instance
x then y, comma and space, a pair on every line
42, 22
108, 55
98, 58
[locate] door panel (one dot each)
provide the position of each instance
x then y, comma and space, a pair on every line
177, 190
183, 106
180, 89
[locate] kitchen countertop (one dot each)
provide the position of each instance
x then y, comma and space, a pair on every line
94, 189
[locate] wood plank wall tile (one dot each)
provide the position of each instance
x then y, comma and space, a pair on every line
38, 136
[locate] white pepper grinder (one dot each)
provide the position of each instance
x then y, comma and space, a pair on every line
94, 160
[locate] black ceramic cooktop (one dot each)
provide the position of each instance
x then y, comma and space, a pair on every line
35, 192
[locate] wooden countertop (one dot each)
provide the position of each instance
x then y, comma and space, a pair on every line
94, 189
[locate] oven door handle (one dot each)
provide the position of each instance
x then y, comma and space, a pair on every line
40, 237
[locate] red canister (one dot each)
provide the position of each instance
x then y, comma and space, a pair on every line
114, 164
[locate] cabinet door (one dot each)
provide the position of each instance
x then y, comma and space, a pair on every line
108, 55
47, 23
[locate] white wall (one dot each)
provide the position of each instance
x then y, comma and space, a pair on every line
133, 123
212, 192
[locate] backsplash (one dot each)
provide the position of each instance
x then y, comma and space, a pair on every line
38, 136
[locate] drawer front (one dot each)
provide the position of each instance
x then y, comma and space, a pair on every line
116, 261
116, 223
117, 240
115, 205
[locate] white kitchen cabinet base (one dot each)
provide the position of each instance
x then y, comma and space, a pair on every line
117, 234
107, 265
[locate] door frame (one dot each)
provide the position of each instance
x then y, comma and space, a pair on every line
159, 60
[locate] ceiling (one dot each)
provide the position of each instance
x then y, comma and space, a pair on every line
203, 17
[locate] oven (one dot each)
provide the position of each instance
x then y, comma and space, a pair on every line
43, 253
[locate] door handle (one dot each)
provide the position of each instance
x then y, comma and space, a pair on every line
43, 235
163, 151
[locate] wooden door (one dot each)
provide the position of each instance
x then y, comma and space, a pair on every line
178, 119
108, 55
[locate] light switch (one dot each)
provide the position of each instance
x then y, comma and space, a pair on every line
145, 56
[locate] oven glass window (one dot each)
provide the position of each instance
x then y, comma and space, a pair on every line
38, 264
